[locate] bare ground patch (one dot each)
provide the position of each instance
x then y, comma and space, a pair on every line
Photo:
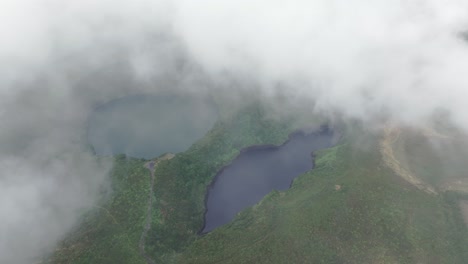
460, 185
150, 165
391, 135
464, 210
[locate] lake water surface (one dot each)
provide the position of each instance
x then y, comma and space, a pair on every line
146, 126
259, 170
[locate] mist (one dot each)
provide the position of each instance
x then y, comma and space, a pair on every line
374, 61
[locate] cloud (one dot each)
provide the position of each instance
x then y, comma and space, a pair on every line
403, 60
58, 61
360, 57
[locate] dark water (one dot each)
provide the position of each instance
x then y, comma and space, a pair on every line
148, 126
259, 170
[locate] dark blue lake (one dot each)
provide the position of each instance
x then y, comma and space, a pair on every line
259, 170
146, 126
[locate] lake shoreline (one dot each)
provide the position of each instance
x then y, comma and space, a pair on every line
145, 126
324, 129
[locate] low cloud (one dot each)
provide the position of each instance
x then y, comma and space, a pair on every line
398, 60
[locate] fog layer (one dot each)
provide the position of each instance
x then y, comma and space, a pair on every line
368, 60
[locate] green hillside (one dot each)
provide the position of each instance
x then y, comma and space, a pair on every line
350, 209
110, 232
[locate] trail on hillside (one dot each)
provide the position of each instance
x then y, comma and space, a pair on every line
141, 245
387, 148
391, 135
151, 165
464, 210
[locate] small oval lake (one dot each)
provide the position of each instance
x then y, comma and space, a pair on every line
146, 126
257, 171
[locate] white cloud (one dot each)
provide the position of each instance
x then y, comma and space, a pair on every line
59, 58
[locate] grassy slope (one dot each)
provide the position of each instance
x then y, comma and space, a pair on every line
110, 232
181, 183
374, 218
434, 160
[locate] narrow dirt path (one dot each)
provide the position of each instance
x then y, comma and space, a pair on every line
391, 135
151, 165
464, 210
141, 245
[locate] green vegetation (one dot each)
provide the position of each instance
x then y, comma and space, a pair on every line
437, 160
350, 209
110, 232
181, 183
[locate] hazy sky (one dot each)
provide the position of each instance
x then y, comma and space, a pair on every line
402, 60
